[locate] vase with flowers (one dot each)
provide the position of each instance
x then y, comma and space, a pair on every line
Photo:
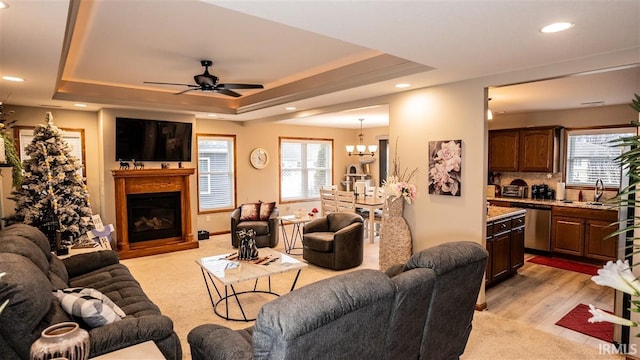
619, 275
395, 239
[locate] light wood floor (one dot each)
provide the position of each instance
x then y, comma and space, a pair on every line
540, 295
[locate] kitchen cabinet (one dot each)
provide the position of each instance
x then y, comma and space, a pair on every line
505, 244
583, 233
503, 150
525, 150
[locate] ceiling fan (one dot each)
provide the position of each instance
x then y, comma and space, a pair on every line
208, 82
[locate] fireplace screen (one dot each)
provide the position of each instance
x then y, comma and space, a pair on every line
154, 216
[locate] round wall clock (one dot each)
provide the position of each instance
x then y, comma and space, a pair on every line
259, 158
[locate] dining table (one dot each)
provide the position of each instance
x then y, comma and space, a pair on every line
370, 203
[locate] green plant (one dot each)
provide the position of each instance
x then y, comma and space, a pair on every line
629, 161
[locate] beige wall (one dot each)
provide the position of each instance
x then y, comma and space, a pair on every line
253, 184
29, 116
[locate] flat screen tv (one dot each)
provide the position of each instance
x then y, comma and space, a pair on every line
152, 140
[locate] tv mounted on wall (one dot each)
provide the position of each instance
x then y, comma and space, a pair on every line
152, 140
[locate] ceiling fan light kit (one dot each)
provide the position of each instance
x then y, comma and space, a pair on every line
208, 82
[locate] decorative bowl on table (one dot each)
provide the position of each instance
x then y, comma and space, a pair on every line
299, 213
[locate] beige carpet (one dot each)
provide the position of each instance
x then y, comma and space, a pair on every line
174, 282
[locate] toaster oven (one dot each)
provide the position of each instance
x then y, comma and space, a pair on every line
514, 191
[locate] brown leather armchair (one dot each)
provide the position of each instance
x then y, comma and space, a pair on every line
334, 241
266, 231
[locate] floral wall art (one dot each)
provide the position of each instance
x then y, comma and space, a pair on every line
445, 167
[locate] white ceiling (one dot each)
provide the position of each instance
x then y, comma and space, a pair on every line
323, 57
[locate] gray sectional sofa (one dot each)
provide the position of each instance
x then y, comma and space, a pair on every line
419, 310
33, 273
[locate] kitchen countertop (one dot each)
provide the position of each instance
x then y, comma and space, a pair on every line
499, 212
575, 204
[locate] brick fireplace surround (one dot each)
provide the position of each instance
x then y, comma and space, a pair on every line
144, 181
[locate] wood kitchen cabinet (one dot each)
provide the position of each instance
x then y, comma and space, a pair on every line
582, 232
505, 244
526, 150
503, 150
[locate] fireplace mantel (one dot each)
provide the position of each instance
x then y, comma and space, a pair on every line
142, 181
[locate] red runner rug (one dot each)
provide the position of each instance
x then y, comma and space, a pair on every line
576, 320
565, 265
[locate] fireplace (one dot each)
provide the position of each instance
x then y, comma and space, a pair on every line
153, 216
153, 211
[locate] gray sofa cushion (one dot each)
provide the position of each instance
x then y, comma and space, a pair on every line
31, 305
305, 322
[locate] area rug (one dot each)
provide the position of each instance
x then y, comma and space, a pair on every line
576, 320
565, 265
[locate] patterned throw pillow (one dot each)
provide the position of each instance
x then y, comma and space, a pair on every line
90, 305
265, 210
250, 212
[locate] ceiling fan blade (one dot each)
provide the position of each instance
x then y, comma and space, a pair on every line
165, 83
184, 91
240, 86
226, 92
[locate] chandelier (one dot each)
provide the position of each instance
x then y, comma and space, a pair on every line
361, 148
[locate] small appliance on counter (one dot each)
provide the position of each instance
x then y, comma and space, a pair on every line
542, 192
514, 191
517, 189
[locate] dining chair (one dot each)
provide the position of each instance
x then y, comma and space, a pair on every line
328, 201
346, 201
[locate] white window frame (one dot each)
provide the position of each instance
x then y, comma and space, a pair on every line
569, 157
207, 173
307, 193
24, 135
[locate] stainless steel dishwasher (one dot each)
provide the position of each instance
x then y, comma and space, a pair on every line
537, 227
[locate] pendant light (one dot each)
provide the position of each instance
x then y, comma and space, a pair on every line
361, 148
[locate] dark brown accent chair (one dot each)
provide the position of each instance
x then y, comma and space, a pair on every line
334, 241
266, 231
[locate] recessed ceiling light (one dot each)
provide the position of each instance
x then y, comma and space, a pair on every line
402, 85
290, 108
3, 5
80, 105
556, 27
13, 78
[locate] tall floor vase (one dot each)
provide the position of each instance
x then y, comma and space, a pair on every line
395, 242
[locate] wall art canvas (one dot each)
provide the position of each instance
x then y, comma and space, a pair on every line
445, 167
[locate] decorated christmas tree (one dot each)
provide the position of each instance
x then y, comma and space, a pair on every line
53, 193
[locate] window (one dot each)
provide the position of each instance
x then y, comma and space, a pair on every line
590, 156
73, 137
305, 166
216, 172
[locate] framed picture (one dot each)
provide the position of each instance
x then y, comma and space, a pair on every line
445, 167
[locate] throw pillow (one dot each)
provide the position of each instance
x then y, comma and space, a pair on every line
250, 212
90, 305
265, 210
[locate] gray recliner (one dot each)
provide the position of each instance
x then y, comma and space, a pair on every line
334, 241
419, 310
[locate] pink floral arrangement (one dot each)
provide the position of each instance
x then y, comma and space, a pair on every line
395, 188
397, 184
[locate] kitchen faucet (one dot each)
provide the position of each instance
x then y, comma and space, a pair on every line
598, 190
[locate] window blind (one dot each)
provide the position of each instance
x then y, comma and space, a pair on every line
306, 166
216, 185
591, 156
